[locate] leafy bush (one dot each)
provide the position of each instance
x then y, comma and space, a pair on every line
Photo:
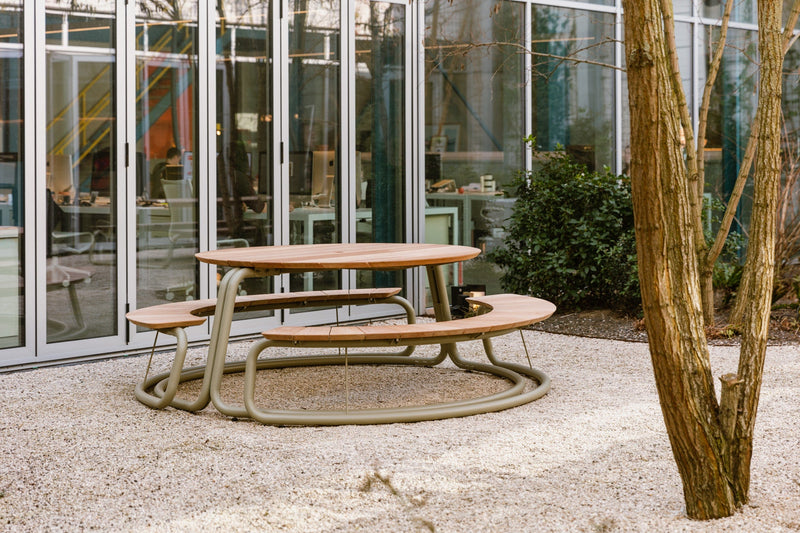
727, 274
571, 237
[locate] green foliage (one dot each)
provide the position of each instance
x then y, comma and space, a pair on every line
570, 238
727, 274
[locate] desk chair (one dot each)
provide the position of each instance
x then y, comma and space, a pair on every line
182, 214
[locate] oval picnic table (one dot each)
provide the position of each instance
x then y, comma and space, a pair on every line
243, 263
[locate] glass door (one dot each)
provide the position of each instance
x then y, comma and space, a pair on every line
378, 181
166, 155
81, 180
245, 132
314, 131
12, 193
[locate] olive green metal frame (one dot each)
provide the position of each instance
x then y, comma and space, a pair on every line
164, 386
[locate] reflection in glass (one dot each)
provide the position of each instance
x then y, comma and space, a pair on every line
167, 235
573, 103
730, 114
81, 172
474, 126
314, 129
380, 149
244, 130
743, 10
683, 8
12, 285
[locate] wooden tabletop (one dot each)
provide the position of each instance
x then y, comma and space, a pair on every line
364, 256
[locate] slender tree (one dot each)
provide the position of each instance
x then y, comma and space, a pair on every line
711, 439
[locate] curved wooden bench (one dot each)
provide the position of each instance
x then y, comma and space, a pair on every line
194, 312
506, 312
503, 313
173, 318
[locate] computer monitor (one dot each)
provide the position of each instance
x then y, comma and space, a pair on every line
324, 167
300, 173
59, 168
173, 172
101, 172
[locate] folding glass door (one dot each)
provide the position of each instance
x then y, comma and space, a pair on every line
79, 285
13, 287
244, 133
166, 156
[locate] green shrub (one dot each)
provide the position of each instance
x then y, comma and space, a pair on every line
727, 274
570, 238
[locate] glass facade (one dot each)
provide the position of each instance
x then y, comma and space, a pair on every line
167, 191
169, 128
315, 115
244, 131
474, 121
83, 196
380, 148
573, 102
12, 191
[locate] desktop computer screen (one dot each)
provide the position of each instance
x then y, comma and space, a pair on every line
173, 172
324, 167
300, 173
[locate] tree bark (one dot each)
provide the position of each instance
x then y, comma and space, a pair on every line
759, 268
669, 283
712, 442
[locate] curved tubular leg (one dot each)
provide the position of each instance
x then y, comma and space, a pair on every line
441, 303
206, 371
511, 397
538, 375
411, 317
163, 382
218, 346
167, 395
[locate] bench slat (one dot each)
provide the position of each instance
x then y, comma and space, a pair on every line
507, 311
194, 312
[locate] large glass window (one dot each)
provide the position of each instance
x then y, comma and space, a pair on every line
380, 127
81, 178
244, 130
167, 190
12, 193
730, 114
573, 101
743, 10
474, 124
314, 129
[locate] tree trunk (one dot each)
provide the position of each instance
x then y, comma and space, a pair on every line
669, 283
712, 442
757, 277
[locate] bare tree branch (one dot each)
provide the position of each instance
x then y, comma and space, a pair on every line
695, 178
713, 70
789, 36
467, 47
747, 160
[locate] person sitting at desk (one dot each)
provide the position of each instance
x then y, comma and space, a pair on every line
236, 190
160, 172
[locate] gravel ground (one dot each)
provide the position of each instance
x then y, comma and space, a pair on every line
79, 452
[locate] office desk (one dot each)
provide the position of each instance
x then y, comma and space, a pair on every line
440, 233
153, 219
468, 204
